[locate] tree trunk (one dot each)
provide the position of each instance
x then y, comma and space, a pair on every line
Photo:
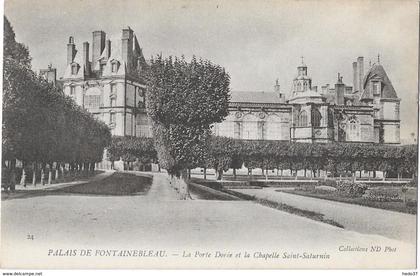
189, 173
234, 173
23, 177
43, 174
35, 166
57, 168
63, 170
205, 173
219, 174
12, 174
50, 166
184, 191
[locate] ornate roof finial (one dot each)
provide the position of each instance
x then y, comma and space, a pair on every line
277, 81
302, 60
370, 63
379, 59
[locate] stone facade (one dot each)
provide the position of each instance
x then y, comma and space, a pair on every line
109, 84
366, 112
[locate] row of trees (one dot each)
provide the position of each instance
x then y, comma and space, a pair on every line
41, 126
132, 149
224, 153
336, 158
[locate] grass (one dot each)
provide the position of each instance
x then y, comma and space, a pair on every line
116, 184
206, 193
391, 206
299, 212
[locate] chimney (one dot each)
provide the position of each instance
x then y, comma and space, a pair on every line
339, 91
107, 48
98, 44
86, 63
355, 77
71, 50
360, 72
127, 46
277, 90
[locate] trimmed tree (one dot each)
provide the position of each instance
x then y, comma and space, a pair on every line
184, 99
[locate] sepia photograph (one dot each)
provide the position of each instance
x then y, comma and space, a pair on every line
209, 134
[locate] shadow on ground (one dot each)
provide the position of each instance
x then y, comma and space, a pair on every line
118, 184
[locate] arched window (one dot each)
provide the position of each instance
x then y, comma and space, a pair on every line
93, 98
299, 86
316, 118
305, 86
262, 130
303, 119
353, 129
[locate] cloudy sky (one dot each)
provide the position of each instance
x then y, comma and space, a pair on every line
256, 41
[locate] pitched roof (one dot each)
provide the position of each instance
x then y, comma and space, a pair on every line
377, 71
254, 97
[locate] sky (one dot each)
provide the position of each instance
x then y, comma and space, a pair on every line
257, 42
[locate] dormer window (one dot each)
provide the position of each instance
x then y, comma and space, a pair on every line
74, 69
103, 68
114, 66
376, 88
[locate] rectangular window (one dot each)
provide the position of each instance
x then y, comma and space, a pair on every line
112, 118
237, 129
113, 89
72, 90
92, 101
113, 101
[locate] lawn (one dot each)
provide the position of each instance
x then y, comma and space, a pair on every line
116, 184
398, 206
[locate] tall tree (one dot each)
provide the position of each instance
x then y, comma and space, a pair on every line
184, 99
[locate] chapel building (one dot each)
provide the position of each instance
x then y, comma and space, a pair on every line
366, 112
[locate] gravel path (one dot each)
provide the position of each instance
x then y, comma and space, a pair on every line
358, 218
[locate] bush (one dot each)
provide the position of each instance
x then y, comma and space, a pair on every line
384, 195
324, 189
411, 203
328, 182
412, 183
305, 188
351, 189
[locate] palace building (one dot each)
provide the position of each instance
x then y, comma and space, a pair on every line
105, 78
108, 82
366, 112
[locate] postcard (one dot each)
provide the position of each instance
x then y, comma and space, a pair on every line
209, 134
